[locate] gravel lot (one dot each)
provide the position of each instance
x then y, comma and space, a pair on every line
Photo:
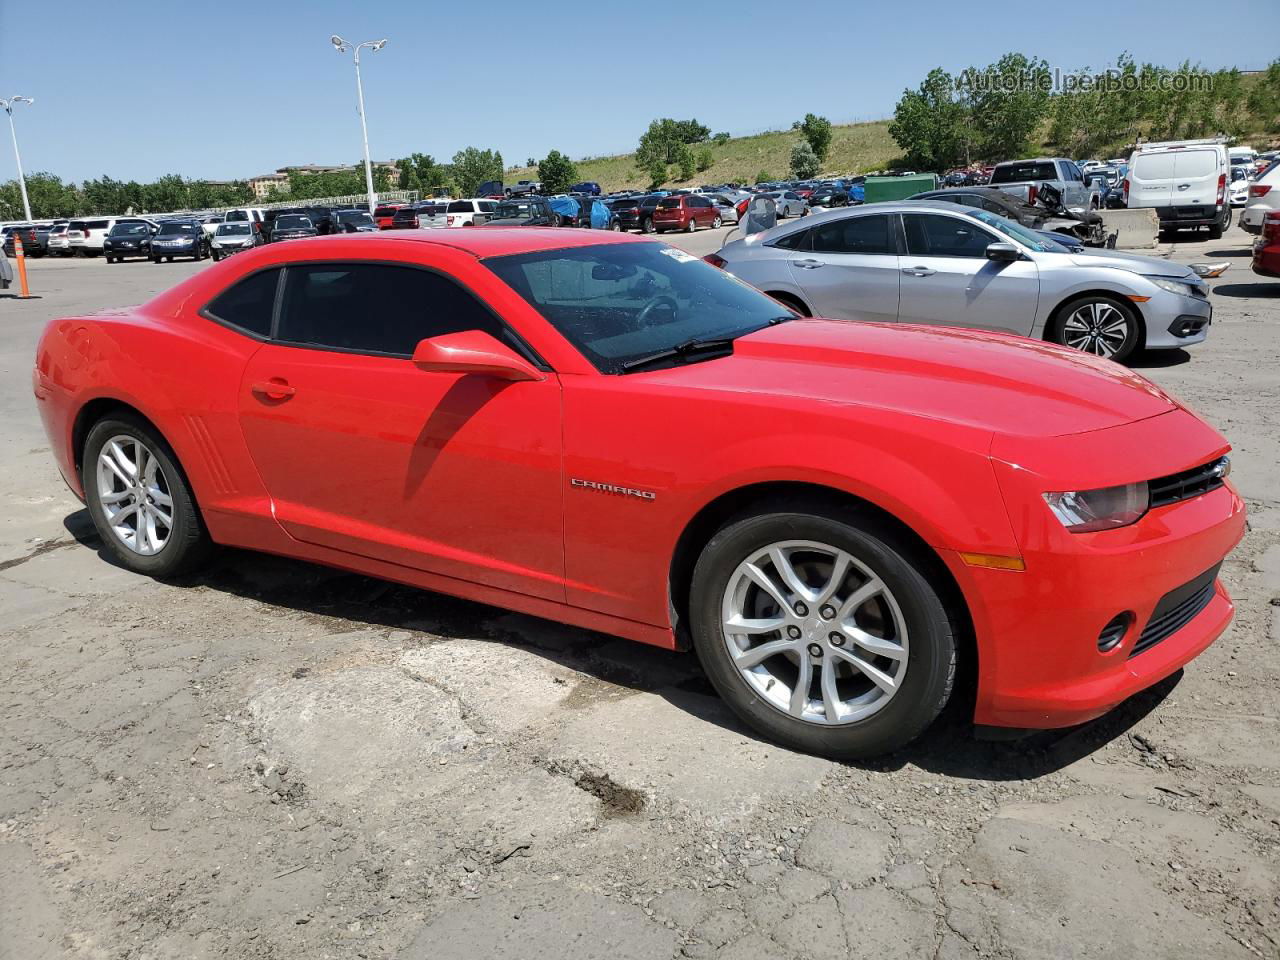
278, 760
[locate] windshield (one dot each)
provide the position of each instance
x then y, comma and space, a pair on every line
514, 210
233, 215
178, 229
233, 230
292, 222
129, 230
1023, 171
618, 302
358, 217
1020, 233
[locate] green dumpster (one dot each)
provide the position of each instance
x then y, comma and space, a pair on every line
880, 189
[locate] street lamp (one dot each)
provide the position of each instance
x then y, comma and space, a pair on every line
342, 47
7, 106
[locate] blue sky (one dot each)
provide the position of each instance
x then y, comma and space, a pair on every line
228, 89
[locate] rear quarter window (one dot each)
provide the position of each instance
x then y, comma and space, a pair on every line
1153, 166
1196, 163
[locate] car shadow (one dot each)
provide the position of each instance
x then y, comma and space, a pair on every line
1261, 289
951, 747
1241, 252
1155, 359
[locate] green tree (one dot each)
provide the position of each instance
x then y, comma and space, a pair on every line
721, 138
557, 173
420, 171
666, 142
928, 123
473, 166
705, 159
49, 197
817, 131
688, 164
764, 176
1264, 98
1006, 106
804, 162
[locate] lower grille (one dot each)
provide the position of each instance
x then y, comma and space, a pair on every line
1175, 610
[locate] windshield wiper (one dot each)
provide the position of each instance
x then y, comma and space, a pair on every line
690, 349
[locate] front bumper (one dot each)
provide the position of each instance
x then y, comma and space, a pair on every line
1039, 661
1174, 321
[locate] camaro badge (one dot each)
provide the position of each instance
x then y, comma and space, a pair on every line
613, 488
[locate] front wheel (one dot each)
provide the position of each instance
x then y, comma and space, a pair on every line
1098, 325
646, 226
715, 224
139, 499
693, 224
821, 631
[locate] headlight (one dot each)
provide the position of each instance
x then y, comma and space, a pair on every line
1174, 286
1086, 511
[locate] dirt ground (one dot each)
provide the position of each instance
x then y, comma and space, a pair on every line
278, 760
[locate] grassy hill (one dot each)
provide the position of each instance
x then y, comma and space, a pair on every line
855, 148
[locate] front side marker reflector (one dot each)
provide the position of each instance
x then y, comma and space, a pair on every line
1137, 299
993, 561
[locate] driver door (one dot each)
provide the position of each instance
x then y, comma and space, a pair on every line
363, 452
947, 278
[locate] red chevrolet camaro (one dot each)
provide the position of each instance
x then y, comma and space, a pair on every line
840, 518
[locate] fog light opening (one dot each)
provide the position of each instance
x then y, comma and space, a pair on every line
1114, 631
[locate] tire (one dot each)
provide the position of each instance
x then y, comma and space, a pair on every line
693, 224
155, 259
111, 259
1070, 328
790, 301
646, 226
921, 671
186, 545
616, 227
715, 224
216, 256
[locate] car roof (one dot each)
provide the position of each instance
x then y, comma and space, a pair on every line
485, 241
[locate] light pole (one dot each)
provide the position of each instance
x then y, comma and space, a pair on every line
342, 47
7, 106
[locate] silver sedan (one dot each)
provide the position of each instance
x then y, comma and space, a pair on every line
937, 263
789, 204
726, 205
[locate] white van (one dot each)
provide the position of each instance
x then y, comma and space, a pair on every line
1184, 181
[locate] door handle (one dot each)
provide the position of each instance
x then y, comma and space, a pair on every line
274, 389
808, 264
919, 271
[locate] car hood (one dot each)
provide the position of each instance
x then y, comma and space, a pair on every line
1134, 263
1005, 384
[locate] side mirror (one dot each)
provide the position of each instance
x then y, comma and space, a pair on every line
473, 351
1003, 252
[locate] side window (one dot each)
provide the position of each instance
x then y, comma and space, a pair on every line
965, 199
376, 308
249, 304
794, 241
866, 235
934, 235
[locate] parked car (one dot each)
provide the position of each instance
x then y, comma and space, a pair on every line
789, 204
385, 213
687, 212
922, 498
829, 197
353, 221
253, 215
584, 211
1022, 178
419, 216
58, 245
522, 187
87, 236
1266, 249
588, 187
6, 270
30, 240
942, 263
232, 238
293, 226
1184, 181
1238, 189
1264, 197
1008, 205
179, 238
128, 239
524, 211
469, 213
726, 207
636, 213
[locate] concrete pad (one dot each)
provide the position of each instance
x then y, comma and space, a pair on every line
543, 921
877, 922
1031, 890
78, 570
31, 927
505, 686
686, 750
1138, 229
855, 850
24, 604
370, 734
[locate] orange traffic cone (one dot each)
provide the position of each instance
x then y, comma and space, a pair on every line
20, 255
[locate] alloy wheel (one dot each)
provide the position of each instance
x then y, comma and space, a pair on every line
135, 495
814, 632
1096, 327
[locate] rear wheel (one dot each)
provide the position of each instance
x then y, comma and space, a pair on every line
693, 224
139, 499
821, 631
1098, 325
646, 225
715, 224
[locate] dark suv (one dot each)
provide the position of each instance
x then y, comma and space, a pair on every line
636, 213
179, 238
524, 211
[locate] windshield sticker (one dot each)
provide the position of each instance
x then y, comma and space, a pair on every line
679, 255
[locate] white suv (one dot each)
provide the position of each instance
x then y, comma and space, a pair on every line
1264, 197
469, 213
